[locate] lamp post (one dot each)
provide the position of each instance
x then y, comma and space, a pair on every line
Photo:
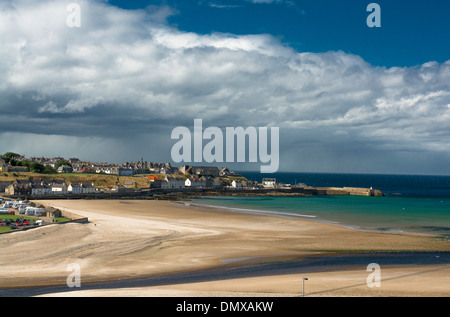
303, 282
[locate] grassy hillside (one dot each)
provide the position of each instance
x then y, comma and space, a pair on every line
99, 180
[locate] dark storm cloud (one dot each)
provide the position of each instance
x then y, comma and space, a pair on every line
125, 79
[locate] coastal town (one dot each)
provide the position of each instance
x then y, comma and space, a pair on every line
57, 176
25, 180
39, 176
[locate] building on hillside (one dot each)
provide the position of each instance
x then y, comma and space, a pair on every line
211, 182
195, 183
3, 186
88, 188
269, 182
111, 170
155, 181
74, 160
249, 184
188, 182
74, 188
212, 171
225, 171
65, 169
87, 170
173, 182
40, 189
185, 169
236, 184
60, 188
18, 189
51, 163
125, 171
36, 187
17, 169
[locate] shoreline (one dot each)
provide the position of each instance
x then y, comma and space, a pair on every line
196, 282
126, 240
293, 216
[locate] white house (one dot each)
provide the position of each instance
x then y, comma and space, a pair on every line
195, 183
269, 182
59, 188
111, 170
51, 163
74, 189
41, 190
235, 184
88, 188
173, 182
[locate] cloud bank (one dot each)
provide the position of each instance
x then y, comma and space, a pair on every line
126, 78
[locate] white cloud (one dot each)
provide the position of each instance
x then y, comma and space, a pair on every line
129, 71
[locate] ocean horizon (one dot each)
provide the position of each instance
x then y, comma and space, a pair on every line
412, 203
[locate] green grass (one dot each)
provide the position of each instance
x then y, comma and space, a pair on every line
9, 217
61, 219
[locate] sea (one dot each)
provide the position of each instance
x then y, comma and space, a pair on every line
412, 203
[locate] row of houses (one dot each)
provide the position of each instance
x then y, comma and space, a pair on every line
170, 182
140, 167
48, 187
124, 169
76, 165
133, 168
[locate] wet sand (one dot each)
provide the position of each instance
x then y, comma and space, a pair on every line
132, 239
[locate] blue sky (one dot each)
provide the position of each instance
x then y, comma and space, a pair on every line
346, 97
412, 32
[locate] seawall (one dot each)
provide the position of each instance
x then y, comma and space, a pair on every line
178, 193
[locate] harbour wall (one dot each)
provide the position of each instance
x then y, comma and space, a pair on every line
176, 193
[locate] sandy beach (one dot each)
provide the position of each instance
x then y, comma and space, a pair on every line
130, 239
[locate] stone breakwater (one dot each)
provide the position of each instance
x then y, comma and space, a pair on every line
347, 191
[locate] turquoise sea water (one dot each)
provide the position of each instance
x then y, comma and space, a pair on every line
414, 204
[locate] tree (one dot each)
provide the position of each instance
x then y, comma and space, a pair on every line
35, 167
10, 156
63, 162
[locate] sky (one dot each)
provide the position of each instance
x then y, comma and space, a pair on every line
111, 84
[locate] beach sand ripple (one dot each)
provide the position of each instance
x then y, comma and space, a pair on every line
142, 238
